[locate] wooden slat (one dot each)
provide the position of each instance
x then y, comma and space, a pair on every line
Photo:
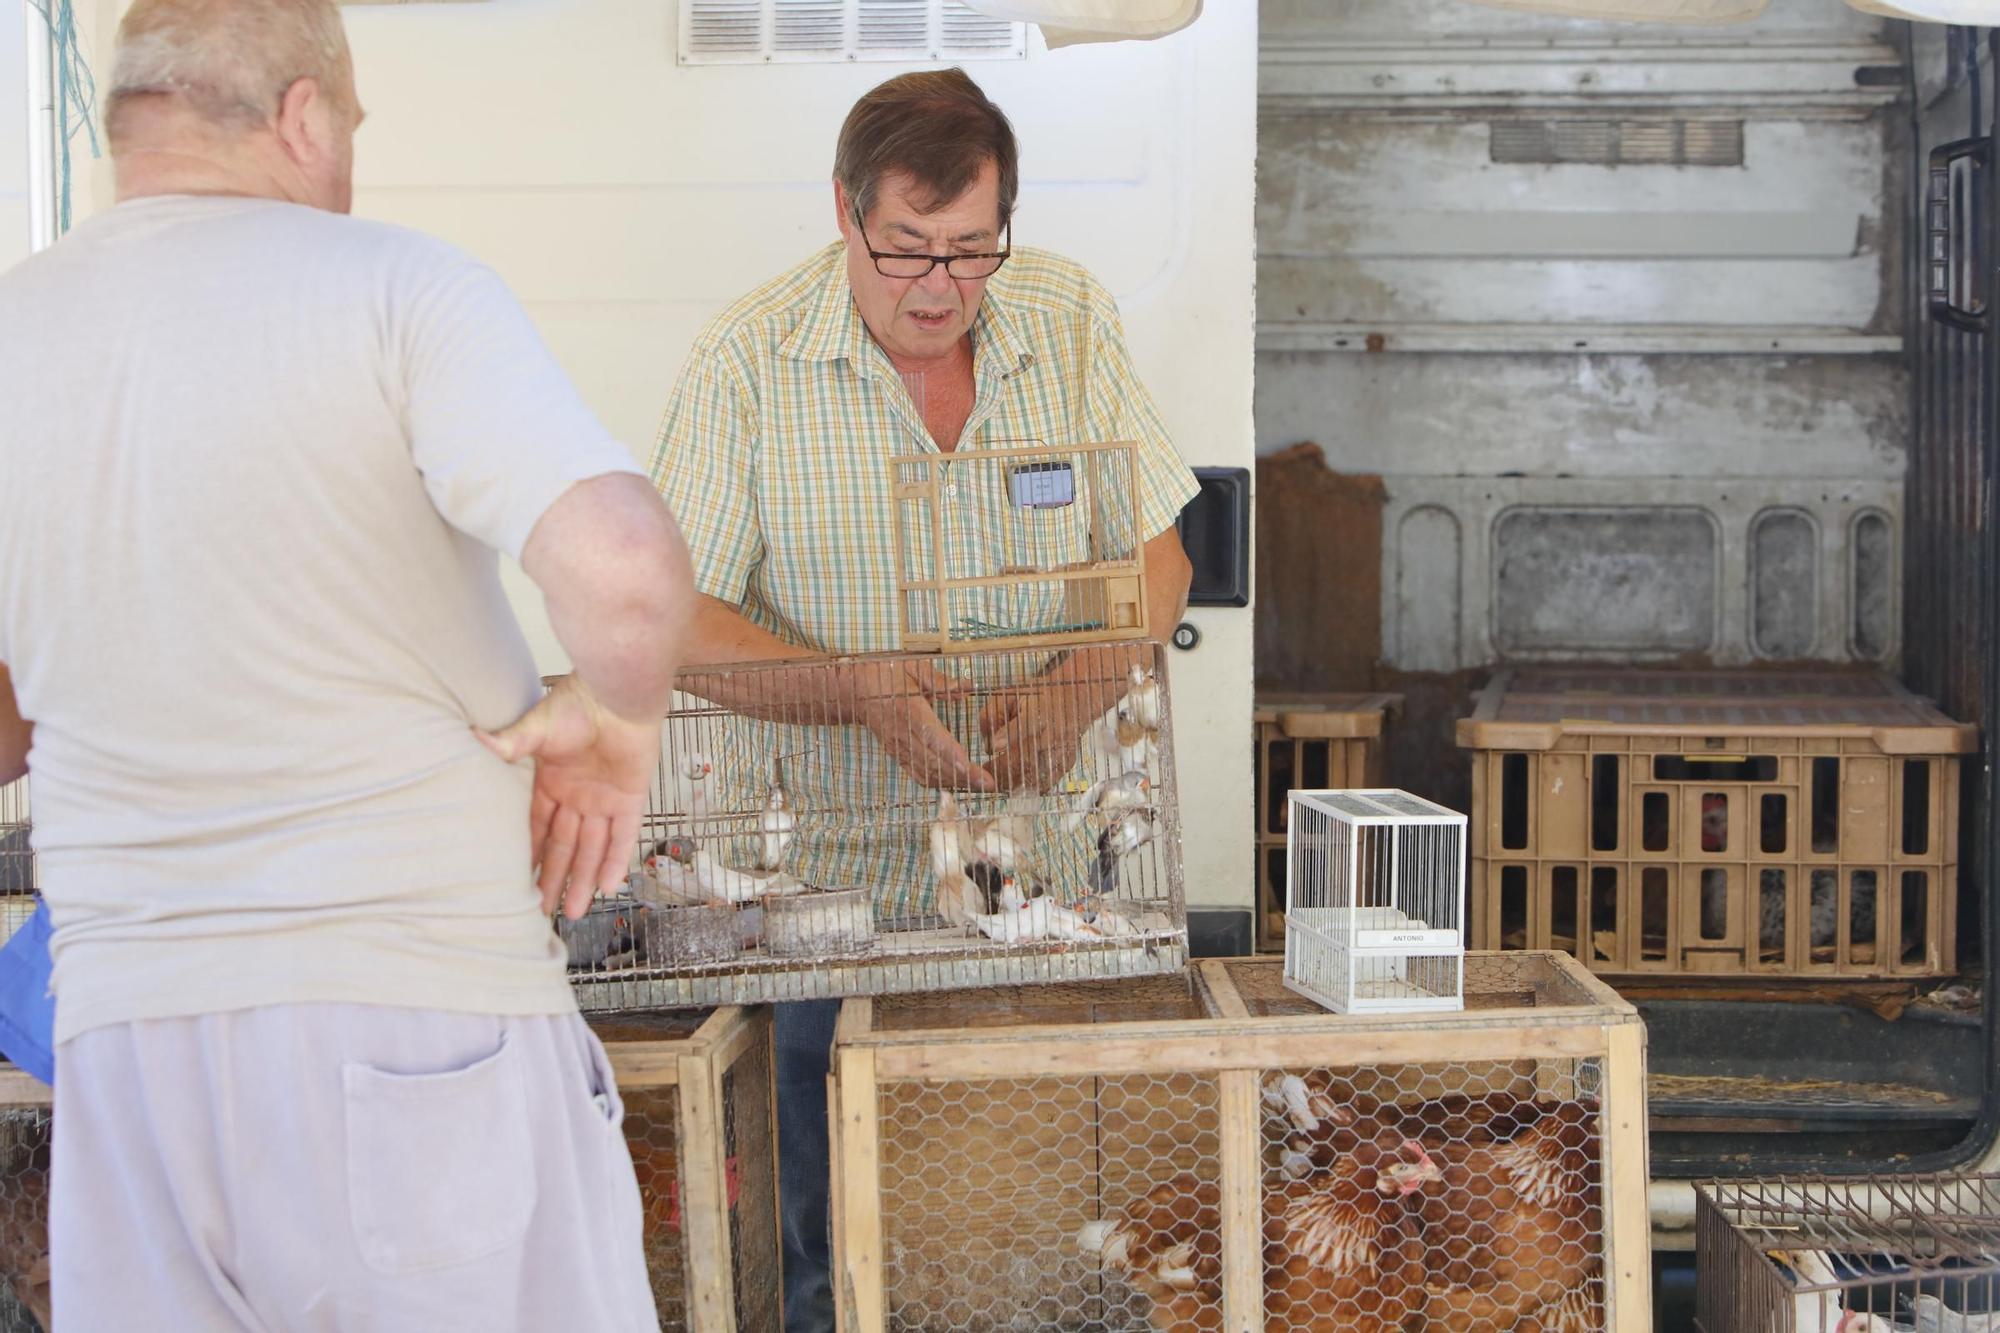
23, 1089
1627, 1219
1111, 1053
645, 1064
711, 1296
856, 1020
1223, 987
1242, 1207
860, 1255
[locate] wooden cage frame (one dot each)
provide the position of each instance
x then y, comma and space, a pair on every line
1123, 579
1235, 1047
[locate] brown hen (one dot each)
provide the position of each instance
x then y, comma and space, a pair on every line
1514, 1226
1341, 1250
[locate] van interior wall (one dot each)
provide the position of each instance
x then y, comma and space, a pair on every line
1950, 547
1597, 329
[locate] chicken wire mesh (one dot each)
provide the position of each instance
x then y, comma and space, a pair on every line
1441, 1194
1857, 1254
1375, 894
652, 1135
899, 823
749, 1127
24, 1219
1009, 545
1460, 1196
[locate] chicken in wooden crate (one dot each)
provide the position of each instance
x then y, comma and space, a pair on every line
896, 823
1226, 1156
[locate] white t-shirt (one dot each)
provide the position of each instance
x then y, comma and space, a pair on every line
256, 461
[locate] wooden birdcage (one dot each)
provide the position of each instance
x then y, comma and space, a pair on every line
1028, 546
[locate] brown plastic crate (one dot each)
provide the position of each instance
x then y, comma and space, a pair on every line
1314, 742
984, 1139
700, 1122
1800, 824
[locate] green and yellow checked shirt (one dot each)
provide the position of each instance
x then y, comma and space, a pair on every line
774, 455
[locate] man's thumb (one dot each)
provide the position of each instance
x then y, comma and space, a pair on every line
523, 739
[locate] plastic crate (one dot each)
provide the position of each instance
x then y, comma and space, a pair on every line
997, 1156
700, 1123
1312, 742
1798, 824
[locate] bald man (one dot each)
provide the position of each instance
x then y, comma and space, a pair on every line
319, 1067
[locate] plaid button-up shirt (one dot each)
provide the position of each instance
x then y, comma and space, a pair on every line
774, 455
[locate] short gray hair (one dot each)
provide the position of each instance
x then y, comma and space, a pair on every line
230, 61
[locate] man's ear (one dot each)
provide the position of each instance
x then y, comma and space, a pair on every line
300, 121
843, 211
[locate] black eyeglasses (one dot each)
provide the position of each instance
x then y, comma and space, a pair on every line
895, 264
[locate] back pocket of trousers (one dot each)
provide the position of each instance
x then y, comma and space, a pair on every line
440, 1166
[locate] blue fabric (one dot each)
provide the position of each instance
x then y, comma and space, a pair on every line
27, 1010
803, 1036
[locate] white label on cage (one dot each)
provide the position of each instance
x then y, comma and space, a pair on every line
1405, 939
1042, 485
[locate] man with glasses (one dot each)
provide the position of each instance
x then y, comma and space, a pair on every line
922, 329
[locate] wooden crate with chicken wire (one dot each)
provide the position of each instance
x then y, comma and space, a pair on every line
1213, 1152
899, 823
1853, 1254
1781, 825
25, 1117
700, 1124
1313, 743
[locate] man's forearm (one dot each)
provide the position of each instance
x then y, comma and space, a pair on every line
723, 636
16, 733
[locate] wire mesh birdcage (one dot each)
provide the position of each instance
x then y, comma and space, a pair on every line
1852, 1254
898, 823
1024, 546
1375, 893
1216, 1152
17, 857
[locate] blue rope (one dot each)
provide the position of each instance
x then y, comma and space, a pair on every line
76, 95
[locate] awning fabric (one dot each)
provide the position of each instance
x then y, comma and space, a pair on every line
1064, 22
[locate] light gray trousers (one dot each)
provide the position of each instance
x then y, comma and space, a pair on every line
330, 1168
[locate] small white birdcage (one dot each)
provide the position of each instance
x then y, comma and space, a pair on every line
1375, 901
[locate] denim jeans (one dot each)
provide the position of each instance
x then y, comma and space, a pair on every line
803, 1034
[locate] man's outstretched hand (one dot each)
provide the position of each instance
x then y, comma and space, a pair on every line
593, 770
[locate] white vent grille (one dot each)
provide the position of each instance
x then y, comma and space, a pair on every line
1610, 143
744, 32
